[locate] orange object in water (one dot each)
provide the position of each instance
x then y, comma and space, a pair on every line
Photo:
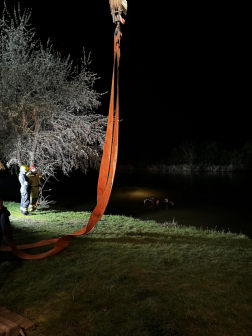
105, 181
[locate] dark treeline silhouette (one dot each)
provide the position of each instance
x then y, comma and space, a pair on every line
194, 155
210, 153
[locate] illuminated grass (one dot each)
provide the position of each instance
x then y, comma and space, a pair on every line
129, 277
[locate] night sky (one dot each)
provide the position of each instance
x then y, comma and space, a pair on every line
183, 72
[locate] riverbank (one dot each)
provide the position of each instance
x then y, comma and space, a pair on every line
129, 277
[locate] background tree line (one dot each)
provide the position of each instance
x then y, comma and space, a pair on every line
194, 153
210, 153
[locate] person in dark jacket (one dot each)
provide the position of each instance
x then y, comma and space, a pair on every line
34, 176
150, 200
25, 190
167, 202
5, 227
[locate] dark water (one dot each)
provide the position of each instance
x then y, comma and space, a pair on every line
208, 200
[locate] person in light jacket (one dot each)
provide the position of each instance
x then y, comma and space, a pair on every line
24, 190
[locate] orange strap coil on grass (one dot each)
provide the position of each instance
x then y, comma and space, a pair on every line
105, 181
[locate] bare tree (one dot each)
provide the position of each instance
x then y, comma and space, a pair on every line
188, 151
47, 105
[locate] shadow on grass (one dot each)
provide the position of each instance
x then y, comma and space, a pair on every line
8, 264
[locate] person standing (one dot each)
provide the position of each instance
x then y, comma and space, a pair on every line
34, 176
24, 190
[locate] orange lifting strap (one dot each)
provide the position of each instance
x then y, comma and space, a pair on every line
106, 175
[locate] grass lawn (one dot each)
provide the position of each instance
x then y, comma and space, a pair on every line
129, 277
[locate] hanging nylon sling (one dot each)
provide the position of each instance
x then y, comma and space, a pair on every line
106, 175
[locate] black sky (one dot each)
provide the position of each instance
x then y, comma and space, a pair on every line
183, 72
